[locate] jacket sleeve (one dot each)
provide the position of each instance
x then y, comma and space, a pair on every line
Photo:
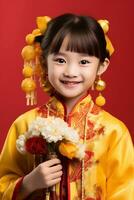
120, 165
13, 165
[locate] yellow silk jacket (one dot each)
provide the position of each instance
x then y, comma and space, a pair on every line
109, 158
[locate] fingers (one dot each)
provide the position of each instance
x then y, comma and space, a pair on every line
55, 175
48, 167
54, 181
52, 178
52, 162
49, 173
55, 168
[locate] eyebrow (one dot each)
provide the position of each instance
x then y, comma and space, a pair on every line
59, 54
64, 54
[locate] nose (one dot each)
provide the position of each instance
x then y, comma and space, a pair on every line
71, 71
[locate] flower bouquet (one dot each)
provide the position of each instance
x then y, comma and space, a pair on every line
49, 136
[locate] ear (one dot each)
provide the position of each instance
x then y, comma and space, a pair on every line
103, 66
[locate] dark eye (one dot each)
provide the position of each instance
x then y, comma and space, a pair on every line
60, 60
84, 62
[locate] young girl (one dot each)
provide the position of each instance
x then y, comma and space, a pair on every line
74, 54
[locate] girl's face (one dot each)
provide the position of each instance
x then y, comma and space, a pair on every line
71, 73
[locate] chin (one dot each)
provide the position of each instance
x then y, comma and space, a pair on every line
69, 97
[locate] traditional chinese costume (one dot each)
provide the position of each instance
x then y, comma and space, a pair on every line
108, 164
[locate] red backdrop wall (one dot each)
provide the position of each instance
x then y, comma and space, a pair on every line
17, 18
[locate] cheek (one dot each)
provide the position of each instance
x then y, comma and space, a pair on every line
50, 76
50, 73
90, 75
53, 74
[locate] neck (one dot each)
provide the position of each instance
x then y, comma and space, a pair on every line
70, 103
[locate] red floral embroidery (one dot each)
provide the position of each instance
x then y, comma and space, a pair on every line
100, 130
53, 110
98, 192
90, 130
96, 110
88, 159
98, 197
42, 110
76, 174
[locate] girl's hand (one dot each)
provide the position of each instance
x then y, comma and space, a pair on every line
44, 175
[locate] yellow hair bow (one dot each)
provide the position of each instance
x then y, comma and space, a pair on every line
105, 26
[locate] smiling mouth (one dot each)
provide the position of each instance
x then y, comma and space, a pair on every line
70, 82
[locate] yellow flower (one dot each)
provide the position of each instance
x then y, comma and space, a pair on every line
68, 149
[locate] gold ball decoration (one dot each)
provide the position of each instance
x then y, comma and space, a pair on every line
30, 39
100, 100
100, 85
28, 53
27, 71
36, 32
28, 85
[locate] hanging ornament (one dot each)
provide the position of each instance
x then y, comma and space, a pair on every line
28, 53
100, 85
100, 100
27, 71
30, 38
31, 56
28, 85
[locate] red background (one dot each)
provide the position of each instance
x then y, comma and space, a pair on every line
17, 18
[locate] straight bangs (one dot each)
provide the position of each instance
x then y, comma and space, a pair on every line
80, 40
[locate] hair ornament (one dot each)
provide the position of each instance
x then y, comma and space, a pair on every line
100, 85
105, 26
30, 54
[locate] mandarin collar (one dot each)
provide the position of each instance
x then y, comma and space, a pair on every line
55, 105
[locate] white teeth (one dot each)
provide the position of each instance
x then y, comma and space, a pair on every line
70, 82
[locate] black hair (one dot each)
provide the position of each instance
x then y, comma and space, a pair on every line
86, 36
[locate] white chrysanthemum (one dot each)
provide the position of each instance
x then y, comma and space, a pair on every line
71, 135
37, 125
20, 144
81, 151
52, 129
